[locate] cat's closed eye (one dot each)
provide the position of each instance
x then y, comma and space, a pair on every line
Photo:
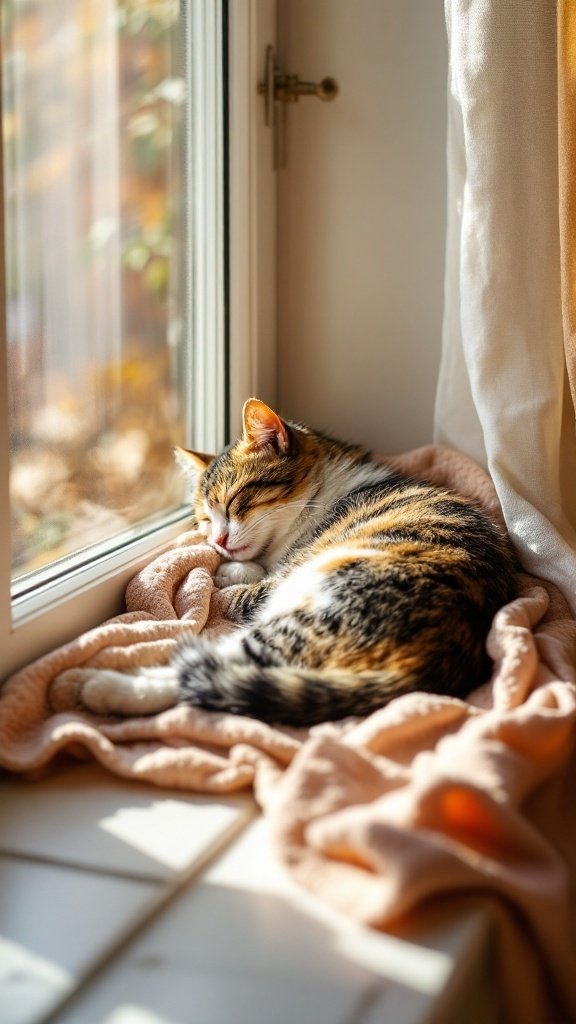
247, 494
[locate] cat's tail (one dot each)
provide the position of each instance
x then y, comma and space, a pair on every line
233, 681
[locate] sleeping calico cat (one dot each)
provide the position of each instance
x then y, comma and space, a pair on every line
358, 584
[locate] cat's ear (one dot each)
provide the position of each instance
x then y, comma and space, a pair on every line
191, 463
263, 427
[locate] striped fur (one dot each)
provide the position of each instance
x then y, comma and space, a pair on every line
376, 584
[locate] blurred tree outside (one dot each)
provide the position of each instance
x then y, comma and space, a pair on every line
94, 96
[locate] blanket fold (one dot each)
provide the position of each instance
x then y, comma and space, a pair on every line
431, 800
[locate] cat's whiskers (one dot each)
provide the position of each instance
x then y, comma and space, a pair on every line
250, 529
284, 512
248, 534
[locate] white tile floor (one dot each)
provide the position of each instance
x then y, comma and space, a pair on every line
125, 904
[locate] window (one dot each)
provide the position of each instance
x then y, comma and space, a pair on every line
95, 234
113, 174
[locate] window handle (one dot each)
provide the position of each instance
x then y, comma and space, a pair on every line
278, 87
289, 89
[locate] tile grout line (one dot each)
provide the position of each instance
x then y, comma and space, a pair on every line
88, 869
366, 1002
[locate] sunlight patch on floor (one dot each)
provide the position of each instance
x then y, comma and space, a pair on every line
169, 831
26, 980
130, 1013
418, 967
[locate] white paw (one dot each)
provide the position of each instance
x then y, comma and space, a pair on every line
151, 691
230, 573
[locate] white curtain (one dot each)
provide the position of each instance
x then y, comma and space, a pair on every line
503, 395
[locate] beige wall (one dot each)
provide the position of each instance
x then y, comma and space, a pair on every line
362, 219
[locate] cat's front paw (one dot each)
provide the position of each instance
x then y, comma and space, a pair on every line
231, 573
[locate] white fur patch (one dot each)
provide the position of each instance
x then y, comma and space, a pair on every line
231, 646
305, 586
152, 690
301, 589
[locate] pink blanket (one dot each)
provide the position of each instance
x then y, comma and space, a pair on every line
428, 802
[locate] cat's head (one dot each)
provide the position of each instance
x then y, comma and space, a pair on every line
247, 498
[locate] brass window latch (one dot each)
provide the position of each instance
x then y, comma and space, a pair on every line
278, 87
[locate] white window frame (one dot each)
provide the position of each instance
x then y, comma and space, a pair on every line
252, 208
55, 614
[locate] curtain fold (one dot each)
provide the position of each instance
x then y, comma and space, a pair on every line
504, 393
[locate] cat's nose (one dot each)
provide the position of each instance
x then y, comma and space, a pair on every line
222, 539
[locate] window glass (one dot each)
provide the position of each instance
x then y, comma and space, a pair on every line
94, 132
